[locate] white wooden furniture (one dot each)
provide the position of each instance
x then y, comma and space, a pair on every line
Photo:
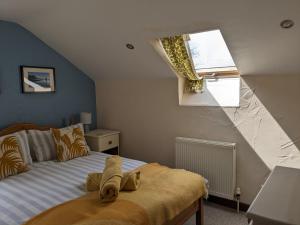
278, 202
101, 140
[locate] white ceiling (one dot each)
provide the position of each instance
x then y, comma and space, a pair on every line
92, 33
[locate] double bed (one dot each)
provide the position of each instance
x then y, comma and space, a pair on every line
50, 183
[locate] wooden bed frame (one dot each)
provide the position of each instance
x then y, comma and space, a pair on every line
22, 126
180, 219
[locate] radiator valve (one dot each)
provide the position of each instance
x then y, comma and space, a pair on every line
238, 196
238, 192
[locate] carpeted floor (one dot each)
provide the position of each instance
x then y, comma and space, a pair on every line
218, 215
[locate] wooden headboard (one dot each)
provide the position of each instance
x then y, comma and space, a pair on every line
22, 126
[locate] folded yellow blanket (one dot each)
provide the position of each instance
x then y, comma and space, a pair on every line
111, 179
129, 182
162, 195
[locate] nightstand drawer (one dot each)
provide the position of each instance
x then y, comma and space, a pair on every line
102, 143
101, 140
109, 142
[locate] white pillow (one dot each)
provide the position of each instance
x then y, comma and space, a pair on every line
42, 145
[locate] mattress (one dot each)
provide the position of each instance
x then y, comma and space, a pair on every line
48, 184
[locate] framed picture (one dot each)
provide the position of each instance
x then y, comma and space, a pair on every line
37, 79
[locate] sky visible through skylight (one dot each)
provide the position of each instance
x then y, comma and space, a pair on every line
209, 50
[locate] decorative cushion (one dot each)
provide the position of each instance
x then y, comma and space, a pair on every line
70, 143
24, 145
11, 161
78, 125
42, 145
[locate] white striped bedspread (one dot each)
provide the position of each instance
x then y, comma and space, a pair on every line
48, 184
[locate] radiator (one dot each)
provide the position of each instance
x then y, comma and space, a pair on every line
216, 161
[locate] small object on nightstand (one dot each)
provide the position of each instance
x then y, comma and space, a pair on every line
101, 140
86, 120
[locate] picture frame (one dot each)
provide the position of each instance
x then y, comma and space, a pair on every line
37, 79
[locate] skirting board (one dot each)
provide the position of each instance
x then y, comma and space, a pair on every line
228, 203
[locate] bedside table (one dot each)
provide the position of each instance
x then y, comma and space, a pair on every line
101, 140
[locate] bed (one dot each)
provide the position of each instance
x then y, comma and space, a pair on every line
49, 183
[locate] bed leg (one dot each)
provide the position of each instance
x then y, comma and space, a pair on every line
199, 213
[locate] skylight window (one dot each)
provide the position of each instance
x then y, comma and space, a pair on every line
209, 52
207, 72
212, 60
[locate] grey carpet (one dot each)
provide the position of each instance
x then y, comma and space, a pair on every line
219, 215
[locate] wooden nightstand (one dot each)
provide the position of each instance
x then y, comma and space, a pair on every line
101, 140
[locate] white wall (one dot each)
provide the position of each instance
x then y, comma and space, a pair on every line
149, 117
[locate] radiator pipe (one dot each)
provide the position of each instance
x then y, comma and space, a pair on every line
238, 196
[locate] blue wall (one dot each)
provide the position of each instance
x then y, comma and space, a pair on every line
75, 91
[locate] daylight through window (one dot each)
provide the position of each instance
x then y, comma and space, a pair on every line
209, 52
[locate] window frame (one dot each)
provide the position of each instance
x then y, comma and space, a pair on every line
219, 72
213, 72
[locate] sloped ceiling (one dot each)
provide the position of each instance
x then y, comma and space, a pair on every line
92, 34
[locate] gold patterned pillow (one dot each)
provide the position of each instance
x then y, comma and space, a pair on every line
70, 143
11, 161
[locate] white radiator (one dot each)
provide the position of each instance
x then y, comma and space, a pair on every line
216, 161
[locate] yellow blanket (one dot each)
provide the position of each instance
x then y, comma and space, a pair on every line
163, 194
130, 181
111, 179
